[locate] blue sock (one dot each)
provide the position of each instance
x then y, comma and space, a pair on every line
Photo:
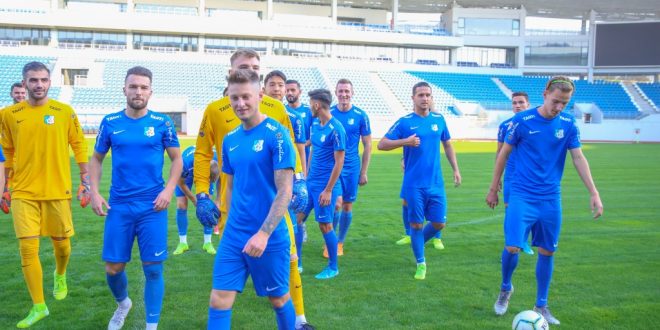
438, 235
417, 243
544, 267
429, 231
335, 219
404, 216
118, 284
219, 319
154, 289
299, 243
344, 224
182, 221
208, 230
331, 243
286, 316
509, 263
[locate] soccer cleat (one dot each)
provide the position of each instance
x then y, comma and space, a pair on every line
420, 274
38, 312
325, 252
340, 249
437, 244
181, 248
327, 273
545, 312
60, 289
306, 326
502, 303
527, 249
405, 240
118, 318
208, 247
300, 269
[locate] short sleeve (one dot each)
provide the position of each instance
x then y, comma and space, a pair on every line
395, 133
282, 151
226, 166
103, 141
339, 139
512, 132
169, 134
365, 125
501, 132
445, 132
574, 137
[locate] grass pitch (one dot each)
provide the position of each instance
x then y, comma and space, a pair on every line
606, 271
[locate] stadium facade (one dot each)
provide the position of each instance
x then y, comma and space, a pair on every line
475, 55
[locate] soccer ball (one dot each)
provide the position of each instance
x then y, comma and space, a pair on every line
529, 320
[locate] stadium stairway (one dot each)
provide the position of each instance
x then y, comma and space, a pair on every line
505, 90
390, 99
640, 101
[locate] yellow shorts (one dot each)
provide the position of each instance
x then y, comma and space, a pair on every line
42, 218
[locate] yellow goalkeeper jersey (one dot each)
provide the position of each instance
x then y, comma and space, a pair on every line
36, 142
219, 119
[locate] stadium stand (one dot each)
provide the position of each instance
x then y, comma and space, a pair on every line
309, 79
401, 83
652, 93
366, 95
11, 71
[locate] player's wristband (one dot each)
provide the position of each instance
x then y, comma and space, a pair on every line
299, 176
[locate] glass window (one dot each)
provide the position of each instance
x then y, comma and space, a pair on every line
488, 27
556, 52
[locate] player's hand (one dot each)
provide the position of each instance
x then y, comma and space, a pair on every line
5, 202
207, 211
163, 199
99, 204
412, 141
84, 195
363, 179
324, 198
256, 245
596, 206
457, 179
300, 196
492, 199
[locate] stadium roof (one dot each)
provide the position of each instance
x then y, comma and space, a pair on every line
607, 10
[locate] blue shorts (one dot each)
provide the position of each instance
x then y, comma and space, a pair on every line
426, 203
189, 182
270, 272
506, 191
127, 220
349, 185
542, 216
322, 214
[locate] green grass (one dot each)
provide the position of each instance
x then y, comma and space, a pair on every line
606, 271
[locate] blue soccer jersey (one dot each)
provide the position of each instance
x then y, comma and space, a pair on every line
251, 157
2, 156
138, 147
325, 141
511, 162
188, 157
422, 163
356, 124
298, 126
305, 114
541, 146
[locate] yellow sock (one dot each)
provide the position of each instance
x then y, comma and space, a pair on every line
62, 249
29, 248
295, 288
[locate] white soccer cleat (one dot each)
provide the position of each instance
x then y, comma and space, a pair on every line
545, 312
502, 303
118, 318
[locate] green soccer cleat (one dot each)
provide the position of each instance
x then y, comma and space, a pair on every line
208, 247
437, 244
405, 240
420, 274
60, 289
38, 312
181, 248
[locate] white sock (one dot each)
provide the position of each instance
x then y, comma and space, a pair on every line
421, 263
207, 238
152, 326
300, 319
125, 303
183, 239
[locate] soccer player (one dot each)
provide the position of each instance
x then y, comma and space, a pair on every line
219, 119
325, 164
17, 92
540, 137
356, 124
138, 201
256, 240
36, 135
519, 102
420, 134
183, 194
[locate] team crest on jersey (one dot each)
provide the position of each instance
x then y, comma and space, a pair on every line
351, 121
323, 138
434, 127
559, 133
149, 131
258, 145
49, 119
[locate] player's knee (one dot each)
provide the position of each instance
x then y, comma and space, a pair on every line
438, 225
545, 252
513, 249
325, 227
404, 203
278, 302
293, 257
221, 299
347, 207
152, 271
112, 268
181, 203
416, 225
